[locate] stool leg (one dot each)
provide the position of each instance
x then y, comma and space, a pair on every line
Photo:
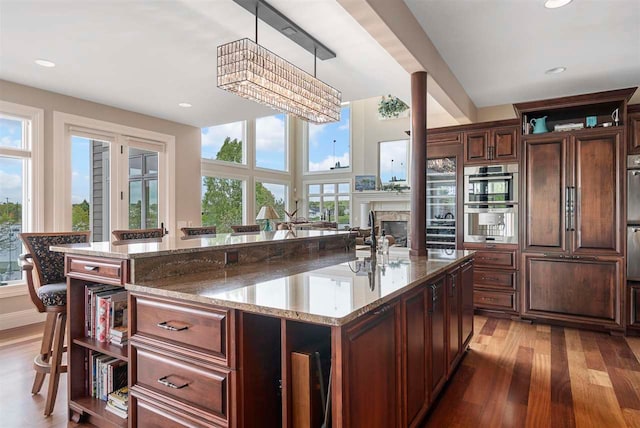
45, 349
56, 361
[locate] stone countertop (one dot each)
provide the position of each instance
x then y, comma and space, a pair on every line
330, 290
136, 249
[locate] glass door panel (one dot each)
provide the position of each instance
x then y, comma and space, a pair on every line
143, 189
90, 186
441, 203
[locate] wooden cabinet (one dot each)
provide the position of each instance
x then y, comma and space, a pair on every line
415, 330
582, 289
81, 271
466, 298
495, 277
573, 197
435, 138
372, 350
183, 358
437, 310
491, 145
634, 129
150, 414
454, 318
634, 307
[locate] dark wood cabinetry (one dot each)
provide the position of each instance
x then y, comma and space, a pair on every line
582, 289
493, 144
454, 315
634, 307
466, 297
372, 349
634, 129
438, 317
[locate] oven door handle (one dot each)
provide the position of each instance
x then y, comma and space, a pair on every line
490, 177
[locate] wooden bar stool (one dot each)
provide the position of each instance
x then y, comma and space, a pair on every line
50, 297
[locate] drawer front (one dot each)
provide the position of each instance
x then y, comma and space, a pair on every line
494, 279
204, 389
499, 259
99, 270
204, 330
494, 300
147, 415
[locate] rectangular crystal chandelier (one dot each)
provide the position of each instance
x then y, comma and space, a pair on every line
253, 72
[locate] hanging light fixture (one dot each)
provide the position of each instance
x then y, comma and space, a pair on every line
253, 72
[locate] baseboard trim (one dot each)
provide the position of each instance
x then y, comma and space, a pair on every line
20, 318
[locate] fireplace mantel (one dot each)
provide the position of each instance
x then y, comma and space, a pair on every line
378, 201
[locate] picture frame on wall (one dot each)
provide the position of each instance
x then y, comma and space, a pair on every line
365, 182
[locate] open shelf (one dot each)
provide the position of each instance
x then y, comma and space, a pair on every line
104, 347
97, 408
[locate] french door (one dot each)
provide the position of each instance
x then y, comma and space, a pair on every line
116, 182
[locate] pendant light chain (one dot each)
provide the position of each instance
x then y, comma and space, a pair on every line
257, 4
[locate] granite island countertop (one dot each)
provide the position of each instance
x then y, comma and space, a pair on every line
169, 245
331, 290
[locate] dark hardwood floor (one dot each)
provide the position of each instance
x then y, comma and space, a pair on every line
514, 375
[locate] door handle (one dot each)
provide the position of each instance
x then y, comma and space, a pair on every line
573, 208
567, 208
635, 173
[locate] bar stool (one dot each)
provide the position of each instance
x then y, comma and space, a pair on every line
129, 234
50, 297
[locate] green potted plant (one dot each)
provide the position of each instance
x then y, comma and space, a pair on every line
391, 107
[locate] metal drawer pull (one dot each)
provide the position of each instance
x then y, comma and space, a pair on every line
166, 326
489, 278
489, 299
91, 268
163, 380
488, 258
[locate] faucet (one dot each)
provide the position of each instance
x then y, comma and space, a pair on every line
372, 223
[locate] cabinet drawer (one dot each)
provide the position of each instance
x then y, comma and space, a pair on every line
499, 259
204, 330
148, 415
494, 300
205, 390
494, 279
99, 270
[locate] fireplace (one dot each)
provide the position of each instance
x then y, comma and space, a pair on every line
397, 229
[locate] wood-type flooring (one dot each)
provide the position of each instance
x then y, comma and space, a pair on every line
514, 375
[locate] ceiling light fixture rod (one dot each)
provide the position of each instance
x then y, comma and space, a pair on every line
279, 21
315, 60
257, 3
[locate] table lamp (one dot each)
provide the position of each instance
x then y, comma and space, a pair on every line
267, 213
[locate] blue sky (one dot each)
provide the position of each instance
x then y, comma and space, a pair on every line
321, 147
10, 168
80, 176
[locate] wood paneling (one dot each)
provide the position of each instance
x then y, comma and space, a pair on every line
476, 144
437, 309
466, 282
454, 317
504, 145
634, 130
545, 160
598, 166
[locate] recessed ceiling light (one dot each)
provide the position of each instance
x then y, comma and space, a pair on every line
555, 70
45, 63
554, 4
185, 105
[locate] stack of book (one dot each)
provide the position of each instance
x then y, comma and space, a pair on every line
106, 374
118, 402
119, 336
106, 308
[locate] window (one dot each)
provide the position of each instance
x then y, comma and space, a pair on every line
271, 194
328, 144
222, 202
224, 142
20, 201
143, 189
271, 142
392, 161
329, 202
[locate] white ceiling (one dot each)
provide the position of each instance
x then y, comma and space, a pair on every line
148, 56
500, 49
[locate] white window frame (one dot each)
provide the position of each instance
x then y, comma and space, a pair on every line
65, 124
209, 170
247, 134
33, 176
335, 181
287, 153
305, 148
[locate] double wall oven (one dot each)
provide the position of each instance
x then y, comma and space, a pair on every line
491, 204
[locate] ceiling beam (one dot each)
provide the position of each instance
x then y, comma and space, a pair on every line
392, 24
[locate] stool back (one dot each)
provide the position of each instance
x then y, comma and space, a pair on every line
128, 234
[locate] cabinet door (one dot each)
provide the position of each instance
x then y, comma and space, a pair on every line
578, 290
453, 317
634, 306
545, 194
415, 332
437, 288
434, 139
476, 144
598, 193
466, 286
634, 133
504, 145
372, 348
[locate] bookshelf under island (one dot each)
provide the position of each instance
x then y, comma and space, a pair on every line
214, 323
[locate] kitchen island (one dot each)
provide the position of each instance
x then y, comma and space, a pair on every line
274, 329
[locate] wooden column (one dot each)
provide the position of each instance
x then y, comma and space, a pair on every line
418, 233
